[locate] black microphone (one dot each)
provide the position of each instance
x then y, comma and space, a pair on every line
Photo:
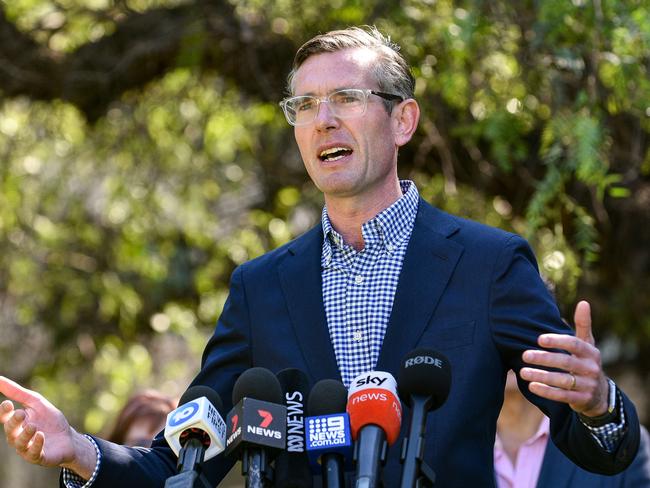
256, 425
196, 432
328, 432
291, 465
424, 383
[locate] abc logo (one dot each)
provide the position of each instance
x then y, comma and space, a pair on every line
184, 413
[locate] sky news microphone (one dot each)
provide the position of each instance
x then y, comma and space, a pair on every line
375, 418
424, 382
292, 465
196, 432
329, 440
256, 426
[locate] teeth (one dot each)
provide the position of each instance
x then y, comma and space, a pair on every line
333, 150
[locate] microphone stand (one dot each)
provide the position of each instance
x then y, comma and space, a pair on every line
416, 473
368, 472
190, 461
332, 470
255, 467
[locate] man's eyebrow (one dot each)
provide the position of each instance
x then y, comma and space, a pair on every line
313, 94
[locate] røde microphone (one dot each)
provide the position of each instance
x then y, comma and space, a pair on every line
424, 382
196, 432
291, 465
256, 424
375, 417
329, 441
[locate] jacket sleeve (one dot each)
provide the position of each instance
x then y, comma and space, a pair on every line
521, 308
225, 357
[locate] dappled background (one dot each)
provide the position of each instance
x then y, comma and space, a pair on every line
143, 156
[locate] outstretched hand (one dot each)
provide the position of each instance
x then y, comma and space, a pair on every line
580, 381
40, 433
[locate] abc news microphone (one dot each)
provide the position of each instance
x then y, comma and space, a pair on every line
424, 382
195, 432
292, 465
329, 441
256, 425
375, 419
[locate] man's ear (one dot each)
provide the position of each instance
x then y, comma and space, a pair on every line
405, 117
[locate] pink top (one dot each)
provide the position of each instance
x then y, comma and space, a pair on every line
525, 472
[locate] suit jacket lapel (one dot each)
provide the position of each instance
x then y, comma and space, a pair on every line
300, 278
428, 265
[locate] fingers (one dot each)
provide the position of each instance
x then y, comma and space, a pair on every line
14, 391
14, 425
6, 409
572, 397
21, 435
569, 343
582, 321
584, 366
562, 380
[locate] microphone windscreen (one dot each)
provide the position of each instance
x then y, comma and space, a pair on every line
292, 465
198, 391
258, 383
327, 397
294, 384
373, 400
425, 372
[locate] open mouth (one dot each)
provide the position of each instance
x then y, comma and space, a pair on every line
334, 154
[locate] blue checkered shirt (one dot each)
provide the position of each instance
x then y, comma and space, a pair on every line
359, 286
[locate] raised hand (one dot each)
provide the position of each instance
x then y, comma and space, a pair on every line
40, 433
581, 382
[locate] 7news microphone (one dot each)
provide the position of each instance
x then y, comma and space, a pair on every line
196, 432
329, 442
375, 418
256, 425
424, 383
292, 465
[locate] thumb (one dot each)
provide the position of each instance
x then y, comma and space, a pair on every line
582, 321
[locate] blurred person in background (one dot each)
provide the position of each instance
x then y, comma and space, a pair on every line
141, 418
524, 456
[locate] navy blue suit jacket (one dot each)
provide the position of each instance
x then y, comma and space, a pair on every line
559, 472
467, 290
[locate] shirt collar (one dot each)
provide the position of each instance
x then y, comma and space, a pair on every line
389, 228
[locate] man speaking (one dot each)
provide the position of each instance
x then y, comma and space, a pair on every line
384, 272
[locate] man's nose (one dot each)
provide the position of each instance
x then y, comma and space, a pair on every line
325, 118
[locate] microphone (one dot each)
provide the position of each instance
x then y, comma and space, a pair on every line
256, 425
424, 382
195, 432
375, 418
328, 432
292, 465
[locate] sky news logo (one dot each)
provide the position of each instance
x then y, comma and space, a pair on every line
327, 431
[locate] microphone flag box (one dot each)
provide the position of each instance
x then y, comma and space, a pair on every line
328, 434
254, 422
198, 414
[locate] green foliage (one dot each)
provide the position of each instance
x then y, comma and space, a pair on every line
120, 236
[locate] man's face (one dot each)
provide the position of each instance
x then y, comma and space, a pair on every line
366, 164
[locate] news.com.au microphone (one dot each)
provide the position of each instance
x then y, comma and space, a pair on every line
424, 383
256, 426
375, 418
329, 440
195, 432
292, 465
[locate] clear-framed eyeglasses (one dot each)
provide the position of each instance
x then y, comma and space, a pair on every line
345, 104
